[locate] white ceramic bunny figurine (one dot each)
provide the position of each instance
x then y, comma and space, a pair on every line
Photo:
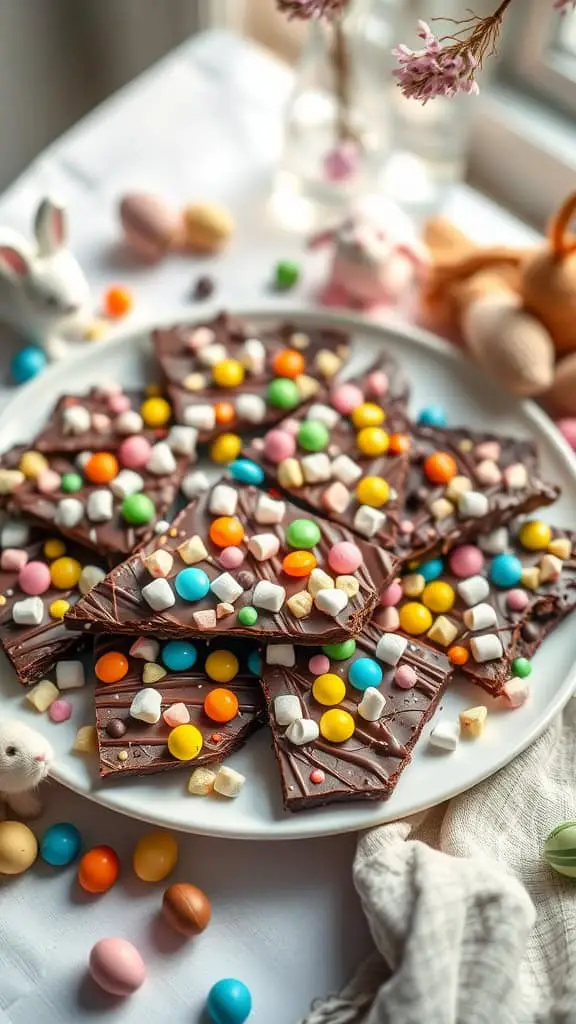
43, 291
25, 757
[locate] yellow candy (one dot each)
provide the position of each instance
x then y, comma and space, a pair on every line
372, 441
226, 448
155, 412
336, 725
54, 548
328, 689
415, 618
368, 415
438, 596
32, 464
185, 742
228, 374
58, 609
155, 856
535, 535
373, 490
221, 666
65, 573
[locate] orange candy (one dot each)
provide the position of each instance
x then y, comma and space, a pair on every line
458, 655
227, 531
101, 468
111, 667
118, 301
399, 443
224, 412
221, 705
299, 563
440, 468
98, 869
288, 363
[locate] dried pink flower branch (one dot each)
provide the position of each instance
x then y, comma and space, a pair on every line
309, 9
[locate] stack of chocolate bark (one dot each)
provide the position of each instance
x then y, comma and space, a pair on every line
328, 585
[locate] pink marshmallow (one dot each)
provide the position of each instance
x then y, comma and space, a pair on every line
199, 338
13, 559
60, 711
118, 403
336, 497
48, 481
405, 677
178, 714
101, 422
515, 692
319, 664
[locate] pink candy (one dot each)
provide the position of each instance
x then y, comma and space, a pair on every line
377, 383
346, 397
392, 595
487, 450
48, 481
567, 428
34, 578
60, 711
389, 619
515, 692
291, 426
134, 452
199, 338
101, 422
467, 560
231, 558
279, 445
342, 162
517, 600
319, 664
345, 557
12, 559
118, 403
178, 714
405, 677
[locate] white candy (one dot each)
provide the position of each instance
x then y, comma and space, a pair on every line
268, 596
324, 414
14, 534
129, 422
223, 500
472, 505
390, 648
226, 588
28, 612
349, 584
99, 507
302, 731
82, 458
75, 419
441, 508
488, 473
162, 526
264, 546
202, 417
192, 550
550, 568
69, 512
281, 654
159, 563
146, 648
316, 468
182, 440
331, 602
127, 482
345, 470
161, 461
481, 616
209, 355
319, 580
158, 595
70, 675
253, 355
228, 782
368, 521
287, 708
194, 484
251, 408
201, 782
89, 577
146, 705
473, 590
269, 510
445, 735
486, 648
495, 542
300, 604
372, 704
515, 476
515, 692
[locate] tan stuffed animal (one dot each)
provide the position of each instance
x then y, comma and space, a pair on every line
515, 309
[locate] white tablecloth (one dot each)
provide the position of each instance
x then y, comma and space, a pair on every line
203, 124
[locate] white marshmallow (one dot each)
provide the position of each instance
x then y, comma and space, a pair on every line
316, 468
481, 616
99, 507
287, 708
390, 648
194, 484
368, 520
281, 654
253, 355
223, 500
89, 577
473, 590
372, 704
128, 422
182, 440
158, 595
346, 470
472, 505
269, 510
445, 735
28, 612
146, 648
69, 513
146, 705
162, 526
161, 460
515, 692
202, 417
302, 731
268, 596
127, 482
488, 473
263, 546
75, 419
228, 782
70, 675
331, 602
14, 534
159, 563
226, 588
251, 408
486, 648
324, 414
209, 355
495, 542
515, 476
192, 550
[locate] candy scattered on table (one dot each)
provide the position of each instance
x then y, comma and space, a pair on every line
60, 844
155, 856
186, 908
118, 301
286, 275
117, 967
18, 848
560, 849
229, 1002
98, 869
27, 364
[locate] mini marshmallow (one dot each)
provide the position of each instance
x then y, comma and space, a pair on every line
161, 461
368, 520
327, 362
319, 580
515, 476
316, 468
253, 356
127, 482
488, 450
445, 735
495, 542
209, 355
515, 692
75, 419
440, 508
473, 590
269, 596
146, 648
300, 604
251, 408
69, 513
289, 473
442, 631
481, 616
228, 782
223, 500
486, 648
223, 609
199, 338
202, 417
324, 414
372, 704
159, 563
390, 648
48, 482
458, 486
346, 470
158, 595
194, 484
86, 740
413, 584
488, 473
550, 568
269, 510
128, 422
226, 588
264, 546
530, 577
205, 619
192, 550
89, 577
182, 440
42, 695
10, 480
302, 731
152, 673
281, 654
287, 708
561, 547
146, 706
389, 618
70, 675
307, 387
472, 505
13, 559
101, 422
195, 382
349, 584
336, 497
28, 612
14, 534
331, 602
472, 721
201, 782
99, 507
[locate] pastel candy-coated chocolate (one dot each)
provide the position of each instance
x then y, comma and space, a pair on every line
517, 600
186, 908
229, 1002
466, 560
431, 570
319, 664
346, 397
150, 224
279, 445
432, 416
231, 558
34, 578
364, 672
506, 570
134, 452
60, 844
560, 849
116, 965
155, 856
246, 471
345, 557
392, 595
179, 655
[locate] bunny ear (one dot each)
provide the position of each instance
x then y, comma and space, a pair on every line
13, 262
50, 227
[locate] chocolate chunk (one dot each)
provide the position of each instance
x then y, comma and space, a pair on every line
115, 728
530, 632
245, 579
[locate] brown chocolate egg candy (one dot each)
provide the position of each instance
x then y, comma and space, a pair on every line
186, 908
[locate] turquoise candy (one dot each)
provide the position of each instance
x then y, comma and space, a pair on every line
28, 363
192, 584
246, 471
364, 672
60, 844
560, 849
505, 570
432, 416
229, 1002
431, 570
179, 655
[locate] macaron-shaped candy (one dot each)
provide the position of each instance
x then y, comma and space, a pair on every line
117, 967
466, 560
134, 452
34, 578
345, 557
560, 849
346, 397
279, 445
150, 225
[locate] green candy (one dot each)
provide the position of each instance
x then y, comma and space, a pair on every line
340, 652
71, 482
286, 274
560, 849
303, 533
521, 667
282, 393
248, 616
313, 436
138, 509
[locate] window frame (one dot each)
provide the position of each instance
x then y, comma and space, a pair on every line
531, 61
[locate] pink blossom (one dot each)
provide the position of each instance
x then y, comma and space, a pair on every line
308, 9
435, 70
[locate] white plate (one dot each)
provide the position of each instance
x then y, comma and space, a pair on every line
438, 374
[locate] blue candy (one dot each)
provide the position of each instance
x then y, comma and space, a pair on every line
229, 1002
505, 571
246, 471
179, 655
27, 363
255, 663
432, 416
364, 672
60, 844
192, 584
431, 570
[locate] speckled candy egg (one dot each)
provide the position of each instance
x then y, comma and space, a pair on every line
116, 965
150, 225
279, 445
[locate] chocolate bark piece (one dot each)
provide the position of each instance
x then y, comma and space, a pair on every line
118, 604
187, 353
99, 420
146, 745
368, 765
502, 471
